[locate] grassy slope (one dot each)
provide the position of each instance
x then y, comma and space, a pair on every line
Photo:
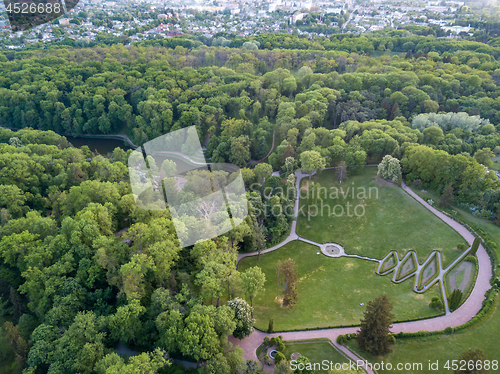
442, 348
393, 221
330, 290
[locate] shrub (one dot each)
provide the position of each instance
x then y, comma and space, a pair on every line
393, 339
417, 183
274, 341
279, 357
341, 339
448, 330
471, 259
266, 340
270, 328
475, 246
281, 347
267, 360
455, 299
461, 246
436, 302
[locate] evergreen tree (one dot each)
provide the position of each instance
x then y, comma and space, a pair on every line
446, 198
475, 246
454, 299
374, 335
270, 328
17, 306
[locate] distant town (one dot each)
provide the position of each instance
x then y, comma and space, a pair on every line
129, 21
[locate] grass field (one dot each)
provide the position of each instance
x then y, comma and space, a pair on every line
316, 352
443, 348
459, 279
392, 219
330, 290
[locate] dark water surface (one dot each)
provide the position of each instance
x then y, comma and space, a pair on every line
98, 145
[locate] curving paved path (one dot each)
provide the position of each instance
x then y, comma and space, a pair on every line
460, 316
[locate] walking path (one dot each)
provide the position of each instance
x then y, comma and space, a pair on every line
460, 316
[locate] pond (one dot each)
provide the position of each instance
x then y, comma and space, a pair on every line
102, 146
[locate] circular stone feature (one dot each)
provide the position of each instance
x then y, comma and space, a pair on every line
332, 250
272, 354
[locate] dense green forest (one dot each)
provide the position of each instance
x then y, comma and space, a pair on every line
72, 290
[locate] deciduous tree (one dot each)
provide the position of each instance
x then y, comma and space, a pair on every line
252, 282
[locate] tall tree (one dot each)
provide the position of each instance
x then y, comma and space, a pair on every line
446, 199
341, 171
17, 343
389, 168
126, 324
263, 171
374, 335
312, 161
483, 156
455, 299
289, 278
252, 282
243, 315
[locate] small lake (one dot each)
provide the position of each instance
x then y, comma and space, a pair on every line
102, 146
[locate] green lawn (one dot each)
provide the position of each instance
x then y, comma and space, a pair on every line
316, 352
459, 279
392, 220
443, 348
330, 290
